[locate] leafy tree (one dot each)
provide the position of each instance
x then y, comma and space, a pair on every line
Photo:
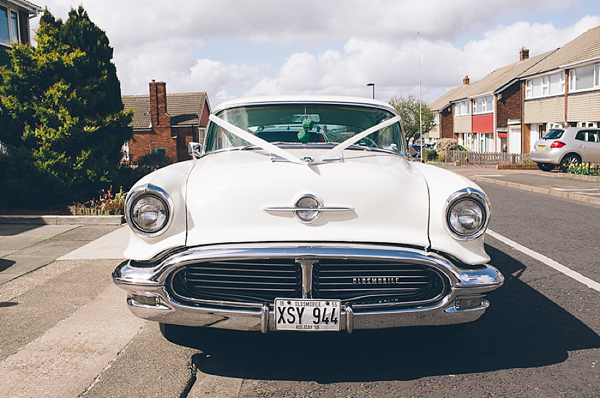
409, 110
63, 121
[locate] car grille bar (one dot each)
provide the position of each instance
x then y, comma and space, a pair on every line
356, 282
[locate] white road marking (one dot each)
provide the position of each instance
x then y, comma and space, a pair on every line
68, 357
546, 260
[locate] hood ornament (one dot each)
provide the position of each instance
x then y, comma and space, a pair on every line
308, 209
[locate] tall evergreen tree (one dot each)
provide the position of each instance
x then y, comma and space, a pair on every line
63, 122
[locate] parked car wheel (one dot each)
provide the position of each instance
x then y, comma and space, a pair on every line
568, 160
546, 166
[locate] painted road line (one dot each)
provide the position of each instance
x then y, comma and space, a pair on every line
546, 260
66, 360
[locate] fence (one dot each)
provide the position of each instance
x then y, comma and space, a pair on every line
485, 158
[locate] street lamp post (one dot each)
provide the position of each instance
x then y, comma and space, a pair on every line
372, 85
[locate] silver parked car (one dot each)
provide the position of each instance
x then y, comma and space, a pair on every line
563, 147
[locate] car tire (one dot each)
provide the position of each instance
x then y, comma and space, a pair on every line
546, 166
568, 160
176, 334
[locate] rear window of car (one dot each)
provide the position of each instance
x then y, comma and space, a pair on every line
553, 134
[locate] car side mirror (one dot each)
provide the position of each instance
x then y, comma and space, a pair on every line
195, 149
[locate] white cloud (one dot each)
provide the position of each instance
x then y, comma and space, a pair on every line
323, 46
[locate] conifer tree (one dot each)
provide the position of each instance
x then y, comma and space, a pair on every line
62, 123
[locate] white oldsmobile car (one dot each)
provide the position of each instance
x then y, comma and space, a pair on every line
305, 214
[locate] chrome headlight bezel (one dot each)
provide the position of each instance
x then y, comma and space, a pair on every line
480, 199
144, 191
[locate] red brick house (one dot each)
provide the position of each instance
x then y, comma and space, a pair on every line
165, 122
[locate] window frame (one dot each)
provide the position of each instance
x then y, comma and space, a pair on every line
595, 78
13, 37
461, 106
541, 86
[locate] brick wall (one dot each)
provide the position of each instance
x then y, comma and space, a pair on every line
509, 106
24, 27
447, 123
145, 142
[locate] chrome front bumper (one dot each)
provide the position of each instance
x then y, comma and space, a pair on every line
148, 297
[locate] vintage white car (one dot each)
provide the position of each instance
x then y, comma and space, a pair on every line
305, 214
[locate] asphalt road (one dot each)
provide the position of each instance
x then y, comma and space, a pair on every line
65, 331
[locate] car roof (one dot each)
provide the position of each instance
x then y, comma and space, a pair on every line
304, 99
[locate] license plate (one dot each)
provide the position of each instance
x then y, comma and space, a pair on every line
542, 147
307, 314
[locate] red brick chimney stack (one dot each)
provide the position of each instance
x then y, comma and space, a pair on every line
524, 54
466, 80
158, 105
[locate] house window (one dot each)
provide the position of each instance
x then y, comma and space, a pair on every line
463, 108
545, 86
9, 26
584, 78
483, 105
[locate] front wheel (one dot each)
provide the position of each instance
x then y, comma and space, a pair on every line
569, 160
545, 166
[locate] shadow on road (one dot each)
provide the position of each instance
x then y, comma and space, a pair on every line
5, 264
521, 329
16, 229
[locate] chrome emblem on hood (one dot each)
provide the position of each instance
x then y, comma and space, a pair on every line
307, 209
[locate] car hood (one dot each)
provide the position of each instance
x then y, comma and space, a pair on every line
229, 194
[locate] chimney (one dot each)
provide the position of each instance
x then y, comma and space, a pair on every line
158, 105
466, 80
524, 54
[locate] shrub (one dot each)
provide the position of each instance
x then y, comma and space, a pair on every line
431, 155
107, 204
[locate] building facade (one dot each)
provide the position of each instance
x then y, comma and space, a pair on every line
512, 107
165, 123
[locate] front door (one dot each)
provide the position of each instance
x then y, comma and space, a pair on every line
514, 139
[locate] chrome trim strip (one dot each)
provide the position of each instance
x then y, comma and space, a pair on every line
295, 209
307, 276
264, 318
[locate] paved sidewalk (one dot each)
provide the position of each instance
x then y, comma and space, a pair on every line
27, 247
569, 186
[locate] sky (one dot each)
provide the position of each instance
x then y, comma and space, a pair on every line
241, 48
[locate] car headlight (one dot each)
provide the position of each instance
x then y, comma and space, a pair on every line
148, 210
467, 214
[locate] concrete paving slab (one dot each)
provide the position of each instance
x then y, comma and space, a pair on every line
110, 246
26, 248
88, 342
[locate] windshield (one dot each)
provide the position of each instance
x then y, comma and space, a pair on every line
553, 134
306, 124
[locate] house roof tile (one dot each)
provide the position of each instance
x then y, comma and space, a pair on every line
580, 49
184, 108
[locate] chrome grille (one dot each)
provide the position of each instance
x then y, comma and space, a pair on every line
374, 282
356, 282
239, 281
